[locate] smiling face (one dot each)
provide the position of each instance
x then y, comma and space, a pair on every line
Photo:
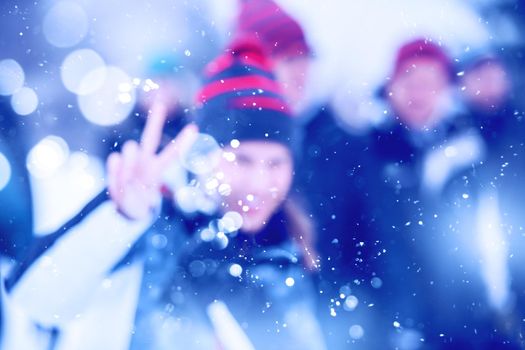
260, 175
417, 91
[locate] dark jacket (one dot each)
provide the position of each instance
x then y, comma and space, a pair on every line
432, 265
16, 213
259, 278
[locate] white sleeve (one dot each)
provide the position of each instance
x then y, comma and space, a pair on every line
59, 284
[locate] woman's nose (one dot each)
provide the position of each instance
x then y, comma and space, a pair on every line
261, 179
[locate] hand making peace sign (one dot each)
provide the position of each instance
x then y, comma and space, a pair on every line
135, 174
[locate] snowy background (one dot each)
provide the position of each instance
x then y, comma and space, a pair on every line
72, 68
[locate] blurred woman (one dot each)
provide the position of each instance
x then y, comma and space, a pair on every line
234, 274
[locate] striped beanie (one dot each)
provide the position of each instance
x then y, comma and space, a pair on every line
241, 99
280, 34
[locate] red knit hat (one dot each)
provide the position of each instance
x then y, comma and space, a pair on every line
281, 35
241, 98
422, 48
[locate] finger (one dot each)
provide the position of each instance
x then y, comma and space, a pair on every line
114, 166
178, 146
152, 133
129, 167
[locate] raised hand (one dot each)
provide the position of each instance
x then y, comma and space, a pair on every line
135, 174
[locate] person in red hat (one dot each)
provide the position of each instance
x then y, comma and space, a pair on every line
234, 274
490, 97
423, 194
419, 84
285, 42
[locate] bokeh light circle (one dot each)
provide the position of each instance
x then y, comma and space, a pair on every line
203, 156
5, 171
47, 156
113, 101
24, 101
65, 24
11, 77
76, 71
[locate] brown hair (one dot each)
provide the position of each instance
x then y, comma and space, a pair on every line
302, 232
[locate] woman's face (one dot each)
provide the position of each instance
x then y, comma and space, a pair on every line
260, 175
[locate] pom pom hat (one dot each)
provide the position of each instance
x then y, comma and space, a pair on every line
241, 98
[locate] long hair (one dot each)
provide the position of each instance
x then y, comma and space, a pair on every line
301, 230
